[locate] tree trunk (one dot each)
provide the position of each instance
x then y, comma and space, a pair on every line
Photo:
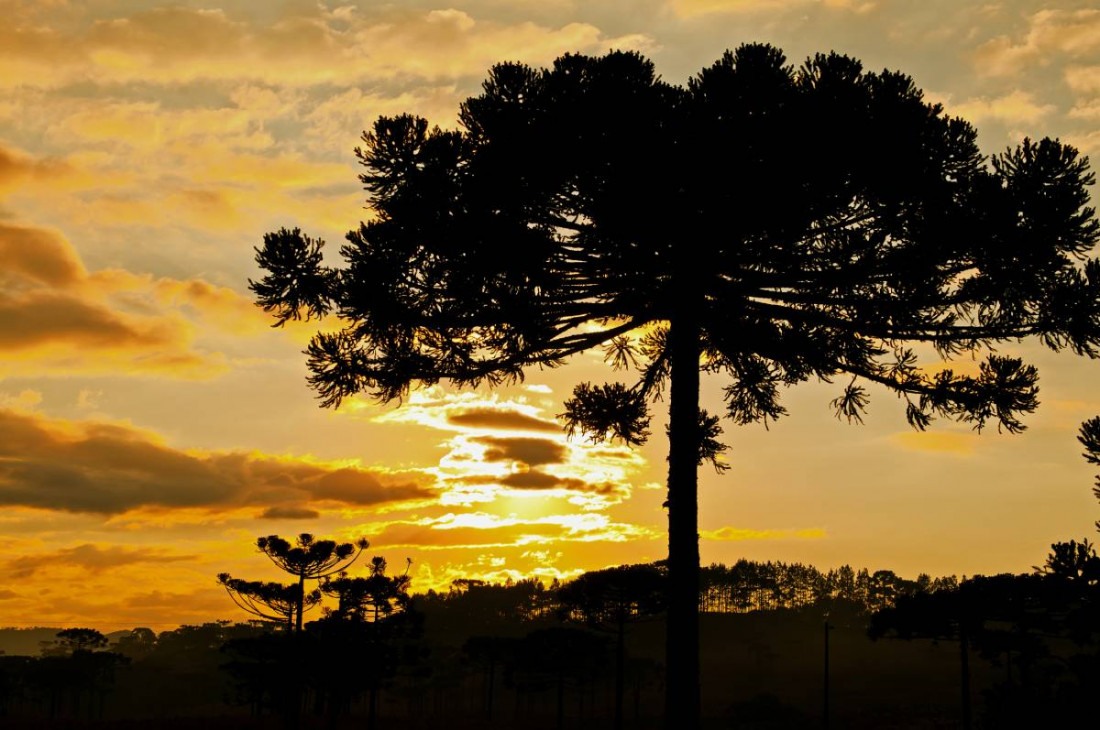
301, 600
489, 689
682, 711
372, 707
620, 670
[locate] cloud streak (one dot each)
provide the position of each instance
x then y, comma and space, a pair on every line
91, 558
742, 534
110, 469
482, 530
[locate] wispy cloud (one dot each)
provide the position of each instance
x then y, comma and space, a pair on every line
1050, 32
1015, 107
172, 45
92, 559
481, 530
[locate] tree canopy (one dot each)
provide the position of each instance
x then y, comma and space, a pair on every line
766, 222
823, 216
270, 600
307, 558
372, 598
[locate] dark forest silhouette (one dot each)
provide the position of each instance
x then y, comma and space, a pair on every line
587, 653
768, 223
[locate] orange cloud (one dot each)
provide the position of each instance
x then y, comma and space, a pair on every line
109, 468
692, 8
119, 607
289, 513
58, 318
17, 168
529, 451
500, 418
90, 558
481, 530
533, 480
283, 101
172, 45
1074, 33
464, 412
1083, 80
495, 456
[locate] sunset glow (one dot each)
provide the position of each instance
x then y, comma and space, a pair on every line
153, 424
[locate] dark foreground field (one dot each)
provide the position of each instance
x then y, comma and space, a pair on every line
760, 670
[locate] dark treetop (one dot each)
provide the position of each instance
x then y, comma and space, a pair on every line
819, 219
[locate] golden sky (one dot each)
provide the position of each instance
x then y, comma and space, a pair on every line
152, 424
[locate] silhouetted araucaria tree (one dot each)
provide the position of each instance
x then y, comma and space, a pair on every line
270, 600
310, 559
768, 223
372, 598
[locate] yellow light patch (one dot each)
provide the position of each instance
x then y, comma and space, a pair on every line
738, 534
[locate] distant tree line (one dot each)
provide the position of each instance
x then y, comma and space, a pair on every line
754, 586
743, 587
585, 650
1042, 629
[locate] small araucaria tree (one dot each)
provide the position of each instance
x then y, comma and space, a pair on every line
270, 600
306, 559
74, 641
372, 598
768, 223
310, 559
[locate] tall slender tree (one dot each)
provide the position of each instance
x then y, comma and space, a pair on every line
768, 223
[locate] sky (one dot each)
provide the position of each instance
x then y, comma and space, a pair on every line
153, 424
